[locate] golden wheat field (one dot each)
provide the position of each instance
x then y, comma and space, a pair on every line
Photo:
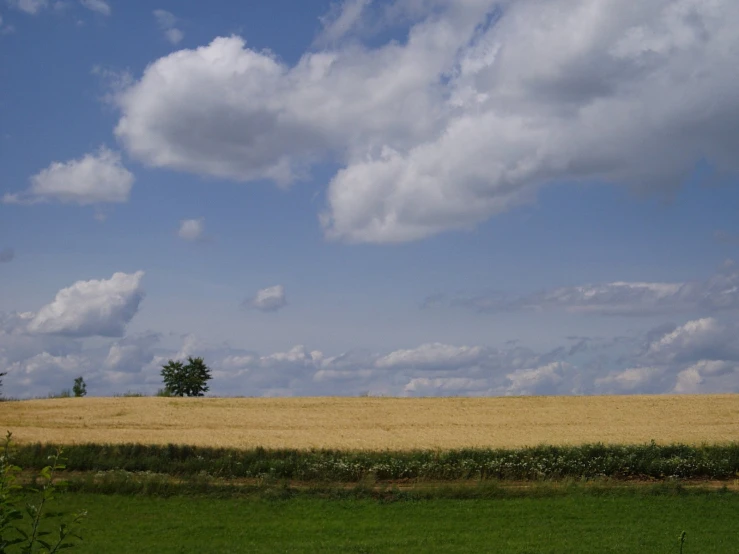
376, 423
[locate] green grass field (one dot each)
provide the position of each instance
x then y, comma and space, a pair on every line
617, 522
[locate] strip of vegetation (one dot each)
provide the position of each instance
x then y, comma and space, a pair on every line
649, 461
165, 486
572, 524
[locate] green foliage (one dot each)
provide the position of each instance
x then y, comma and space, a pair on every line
80, 388
617, 524
2, 374
531, 464
28, 530
186, 379
164, 392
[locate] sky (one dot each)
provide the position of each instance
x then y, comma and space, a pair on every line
370, 197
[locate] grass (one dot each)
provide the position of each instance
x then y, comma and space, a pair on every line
573, 523
376, 423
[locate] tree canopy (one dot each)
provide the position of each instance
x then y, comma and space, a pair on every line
188, 379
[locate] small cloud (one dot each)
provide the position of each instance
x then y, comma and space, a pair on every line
720, 292
61, 6
341, 20
99, 6
191, 229
6, 255
433, 356
95, 178
31, 7
540, 380
168, 23
269, 299
726, 237
113, 81
92, 308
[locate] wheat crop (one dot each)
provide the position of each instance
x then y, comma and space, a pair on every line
376, 423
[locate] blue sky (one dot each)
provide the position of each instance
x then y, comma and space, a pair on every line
397, 197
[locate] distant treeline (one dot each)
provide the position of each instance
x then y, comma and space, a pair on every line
648, 461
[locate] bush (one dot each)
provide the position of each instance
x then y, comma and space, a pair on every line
530, 464
27, 530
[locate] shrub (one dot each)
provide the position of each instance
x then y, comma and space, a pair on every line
26, 531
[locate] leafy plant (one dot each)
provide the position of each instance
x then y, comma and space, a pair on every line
668, 464
80, 388
186, 379
26, 531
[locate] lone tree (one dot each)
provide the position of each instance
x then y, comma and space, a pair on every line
186, 379
2, 374
80, 388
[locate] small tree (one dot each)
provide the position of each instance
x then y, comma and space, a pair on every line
186, 379
80, 388
2, 374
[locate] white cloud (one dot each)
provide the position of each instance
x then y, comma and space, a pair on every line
705, 338
445, 386
29, 6
99, 6
92, 179
620, 298
342, 19
168, 23
296, 356
432, 356
39, 363
477, 109
693, 379
191, 229
113, 81
269, 299
45, 373
131, 354
174, 35
632, 380
324, 375
540, 380
92, 308
238, 362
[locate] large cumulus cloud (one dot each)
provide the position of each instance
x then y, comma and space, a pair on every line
480, 105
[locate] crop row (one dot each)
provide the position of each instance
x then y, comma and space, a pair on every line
536, 463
